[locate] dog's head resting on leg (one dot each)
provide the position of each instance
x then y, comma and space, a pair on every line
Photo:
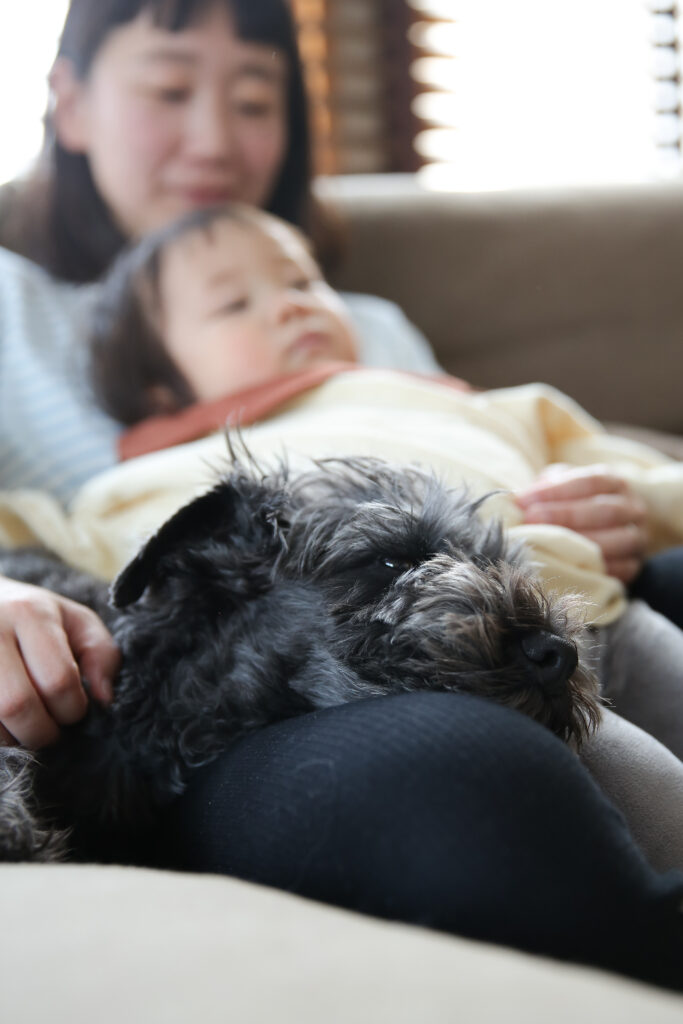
270, 596
352, 580
424, 593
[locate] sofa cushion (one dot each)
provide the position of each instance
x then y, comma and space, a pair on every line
106, 944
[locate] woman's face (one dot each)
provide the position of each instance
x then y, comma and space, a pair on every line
171, 121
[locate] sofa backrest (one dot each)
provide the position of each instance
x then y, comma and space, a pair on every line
579, 289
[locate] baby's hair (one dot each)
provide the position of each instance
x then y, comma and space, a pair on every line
128, 358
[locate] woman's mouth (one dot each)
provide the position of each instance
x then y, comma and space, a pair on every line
206, 196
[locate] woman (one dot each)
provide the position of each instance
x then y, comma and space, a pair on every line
153, 115
434, 808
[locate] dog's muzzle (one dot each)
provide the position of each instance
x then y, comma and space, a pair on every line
552, 658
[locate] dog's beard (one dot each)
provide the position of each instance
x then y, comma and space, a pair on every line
450, 625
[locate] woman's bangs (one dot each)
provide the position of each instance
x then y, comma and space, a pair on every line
256, 21
176, 15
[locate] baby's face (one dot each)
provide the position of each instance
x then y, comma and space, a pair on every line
241, 304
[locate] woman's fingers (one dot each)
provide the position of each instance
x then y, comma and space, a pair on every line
50, 664
623, 550
563, 484
93, 647
619, 530
23, 715
47, 644
597, 512
625, 569
619, 543
594, 502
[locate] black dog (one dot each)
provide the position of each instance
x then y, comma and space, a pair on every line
268, 597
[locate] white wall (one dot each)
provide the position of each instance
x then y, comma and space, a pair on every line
28, 43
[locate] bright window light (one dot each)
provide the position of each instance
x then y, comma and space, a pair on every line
29, 32
531, 93
524, 93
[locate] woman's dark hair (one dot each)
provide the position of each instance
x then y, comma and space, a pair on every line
78, 238
129, 363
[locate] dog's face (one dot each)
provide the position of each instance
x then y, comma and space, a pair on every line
425, 594
356, 580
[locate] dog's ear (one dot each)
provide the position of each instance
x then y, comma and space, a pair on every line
239, 505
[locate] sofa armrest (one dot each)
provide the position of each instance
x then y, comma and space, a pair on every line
578, 289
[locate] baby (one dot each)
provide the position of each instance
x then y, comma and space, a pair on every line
216, 303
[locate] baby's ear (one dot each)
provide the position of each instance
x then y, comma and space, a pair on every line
242, 511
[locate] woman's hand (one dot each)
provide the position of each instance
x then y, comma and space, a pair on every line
47, 643
593, 501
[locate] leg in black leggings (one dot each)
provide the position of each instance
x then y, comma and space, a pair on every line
660, 584
439, 809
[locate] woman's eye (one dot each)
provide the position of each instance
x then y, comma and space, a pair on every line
172, 95
255, 108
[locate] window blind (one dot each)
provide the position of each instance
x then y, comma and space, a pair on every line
495, 94
356, 56
528, 93
666, 70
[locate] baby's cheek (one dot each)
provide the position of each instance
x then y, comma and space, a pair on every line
353, 348
246, 360
347, 346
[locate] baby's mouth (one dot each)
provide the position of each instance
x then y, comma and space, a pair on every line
309, 343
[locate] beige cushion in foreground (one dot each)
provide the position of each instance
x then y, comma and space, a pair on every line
109, 945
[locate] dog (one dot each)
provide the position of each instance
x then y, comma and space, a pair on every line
272, 595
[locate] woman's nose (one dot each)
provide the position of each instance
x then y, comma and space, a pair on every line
209, 133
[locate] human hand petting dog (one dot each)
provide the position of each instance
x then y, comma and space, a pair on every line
47, 643
593, 501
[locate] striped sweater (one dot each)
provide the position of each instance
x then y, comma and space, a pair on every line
52, 435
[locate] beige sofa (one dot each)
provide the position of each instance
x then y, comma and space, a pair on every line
582, 290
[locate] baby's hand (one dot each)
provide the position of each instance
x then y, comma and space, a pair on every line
593, 501
47, 643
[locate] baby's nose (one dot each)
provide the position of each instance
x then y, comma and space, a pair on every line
290, 303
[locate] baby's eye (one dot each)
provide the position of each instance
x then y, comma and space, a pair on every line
238, 305
301, 284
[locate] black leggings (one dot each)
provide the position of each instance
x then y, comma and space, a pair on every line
660, 584
443, 810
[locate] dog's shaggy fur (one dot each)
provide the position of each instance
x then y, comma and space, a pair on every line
268, 597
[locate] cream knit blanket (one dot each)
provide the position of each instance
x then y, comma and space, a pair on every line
492, 441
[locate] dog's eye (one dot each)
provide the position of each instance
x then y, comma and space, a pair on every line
396, 564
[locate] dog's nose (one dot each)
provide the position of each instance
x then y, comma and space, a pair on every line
553, 658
